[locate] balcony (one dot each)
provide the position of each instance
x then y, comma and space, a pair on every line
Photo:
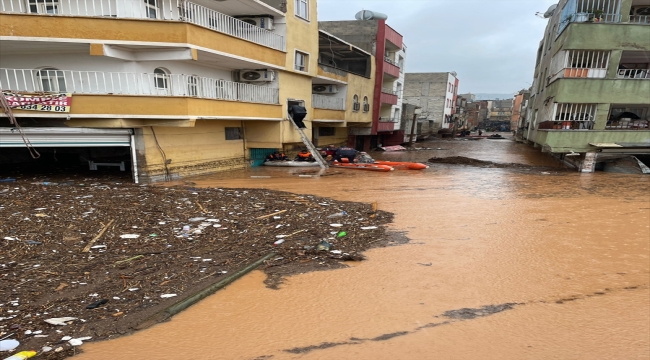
388, 97
142, 84
386, 124
327, 102
634, 65
165, 10
391, 69
633, 74
394, 39
579, 64
596, 11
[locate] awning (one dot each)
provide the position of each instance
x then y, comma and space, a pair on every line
65, 137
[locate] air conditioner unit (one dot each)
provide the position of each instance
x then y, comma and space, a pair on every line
324, 89
265, 22
257, 75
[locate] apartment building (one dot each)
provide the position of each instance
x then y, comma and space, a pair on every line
519, 106
173, 88
342, 91
386, 45
436, 94
590, 96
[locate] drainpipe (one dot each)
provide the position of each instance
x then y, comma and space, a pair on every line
134, 160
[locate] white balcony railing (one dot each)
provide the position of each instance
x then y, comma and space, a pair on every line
640, 19
202, 16
122, 83
633, 74
327, 102
169, 10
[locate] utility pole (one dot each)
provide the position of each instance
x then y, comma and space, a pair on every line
415, 121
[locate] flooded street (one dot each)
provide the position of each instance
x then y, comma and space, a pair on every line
501, 264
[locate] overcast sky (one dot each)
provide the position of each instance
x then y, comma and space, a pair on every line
491, 44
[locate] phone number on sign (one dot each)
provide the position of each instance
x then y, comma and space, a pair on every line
39, 107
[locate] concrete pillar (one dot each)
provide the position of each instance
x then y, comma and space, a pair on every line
626, 5
602, 113
614, 61
589, 163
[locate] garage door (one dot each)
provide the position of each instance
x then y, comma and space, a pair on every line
65, 137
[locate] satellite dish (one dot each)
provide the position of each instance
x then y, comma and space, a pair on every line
454, 74
550, 11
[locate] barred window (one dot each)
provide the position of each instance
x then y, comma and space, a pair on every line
234, 133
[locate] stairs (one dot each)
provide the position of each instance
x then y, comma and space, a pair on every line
312, 149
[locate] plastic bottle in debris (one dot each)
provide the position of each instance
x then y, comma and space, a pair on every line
339, 214
22, 355
186, 230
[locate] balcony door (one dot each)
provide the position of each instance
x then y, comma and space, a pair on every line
161, 82
51, 80
152, 9
44, 6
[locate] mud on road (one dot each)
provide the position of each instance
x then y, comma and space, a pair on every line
141, 259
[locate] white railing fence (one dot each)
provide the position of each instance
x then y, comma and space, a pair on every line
389, 91
174, 10
202, 16
633, 74
121, 83
580, 64
608, 10
640, 19
327, 102
144, 9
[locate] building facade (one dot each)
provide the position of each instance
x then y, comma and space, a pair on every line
387, 46
591, 84
172, 88
435, 94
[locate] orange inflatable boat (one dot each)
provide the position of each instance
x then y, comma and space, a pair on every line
369, 167
399, 165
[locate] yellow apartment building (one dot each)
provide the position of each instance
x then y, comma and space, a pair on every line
173, 88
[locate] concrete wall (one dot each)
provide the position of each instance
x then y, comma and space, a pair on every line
340, 136
202, 149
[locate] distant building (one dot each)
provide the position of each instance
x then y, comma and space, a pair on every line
386, 45
436, 94
591, 89
500, 115
469, 96
520, 103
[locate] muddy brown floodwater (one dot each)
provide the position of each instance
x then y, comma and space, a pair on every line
502, 264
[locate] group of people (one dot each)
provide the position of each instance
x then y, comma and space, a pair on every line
330, 153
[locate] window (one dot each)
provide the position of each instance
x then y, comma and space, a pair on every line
398, 90
233, 133
52, 80
160, 79
396, 117
193, 85
326, 131
302, 8
44, 6
355, 103
301, 61
366, 106
151, 9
